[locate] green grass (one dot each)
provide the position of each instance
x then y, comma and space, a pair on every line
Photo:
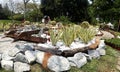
8, 21
6, 24
5, 21
106, 63
3, 70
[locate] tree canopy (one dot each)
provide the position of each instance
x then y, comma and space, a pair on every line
106, 10
74, 9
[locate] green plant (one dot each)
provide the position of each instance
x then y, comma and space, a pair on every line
114, 42
52, 22
69, 34
85, 24
86, 34
63, 19
55, 36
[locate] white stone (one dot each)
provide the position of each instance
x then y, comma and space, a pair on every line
77, 45
43, 45
88, 56
13, 52
118, 36
59, 43
58, 63
24, 47
20, 57
40, 56
102, 44
101, 48
62, 48
5, 56
101, 51
79, 59
21, 67
30, 56
94, 53
0, 57
43, 35
7, 65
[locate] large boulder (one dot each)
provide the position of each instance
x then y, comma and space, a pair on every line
21, 67
58, 63
7, 65
78, 60
101, 48
5, 56
94, 53
39, 56
13, 52
21, 58
30, 56
24, 47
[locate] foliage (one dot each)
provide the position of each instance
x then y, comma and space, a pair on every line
55, 36
52, 22
74, 9
3, 70
5, 24
105, 10
114, 41
86, 34
4, 12
63, 19
68, 35
34, 15
85, 24
19, 17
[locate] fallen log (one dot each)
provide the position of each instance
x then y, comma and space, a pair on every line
53, 51
26, 36
68, 53
65, 53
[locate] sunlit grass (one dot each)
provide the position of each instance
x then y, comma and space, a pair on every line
106, 63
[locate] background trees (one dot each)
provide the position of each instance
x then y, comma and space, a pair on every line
4, 12
106, 11
74, 9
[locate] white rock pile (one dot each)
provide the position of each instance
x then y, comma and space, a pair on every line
18, 56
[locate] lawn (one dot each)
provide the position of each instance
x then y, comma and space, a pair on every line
106, 63
6, 24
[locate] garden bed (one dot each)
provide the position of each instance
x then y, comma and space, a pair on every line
114, 43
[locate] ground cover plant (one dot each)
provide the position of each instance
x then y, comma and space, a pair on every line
115, 42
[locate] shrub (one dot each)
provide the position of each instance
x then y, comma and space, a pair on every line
85, 24
63, 19
55, 36
19, 17
114, 42
86, 34
69, 34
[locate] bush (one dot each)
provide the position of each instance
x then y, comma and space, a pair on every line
113, 42
19, 17
63, 19
85, 24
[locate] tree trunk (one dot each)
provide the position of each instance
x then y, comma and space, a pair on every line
65, 53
